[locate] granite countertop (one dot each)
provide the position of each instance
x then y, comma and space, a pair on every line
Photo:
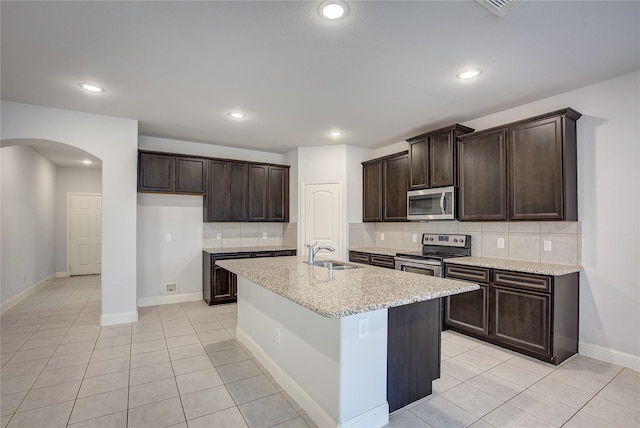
383, 251
341, 293
247, 249
516, 265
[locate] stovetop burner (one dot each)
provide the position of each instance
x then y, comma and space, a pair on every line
440, 247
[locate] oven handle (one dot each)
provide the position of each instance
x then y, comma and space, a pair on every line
417, 262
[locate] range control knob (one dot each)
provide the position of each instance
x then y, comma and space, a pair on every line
455, 240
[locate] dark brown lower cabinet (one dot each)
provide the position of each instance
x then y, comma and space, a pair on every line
536, 315
522, 318
218, 284
469, 311
380, 260
413, 352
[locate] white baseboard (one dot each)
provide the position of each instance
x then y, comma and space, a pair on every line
169, 298
62, 275
377, 417
11, 302
609, 355
121, 318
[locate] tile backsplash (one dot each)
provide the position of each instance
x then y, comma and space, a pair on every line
522, 240
221, 235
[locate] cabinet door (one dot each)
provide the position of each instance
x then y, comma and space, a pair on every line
222, 285
395, 185
469, 311
441, 160
258, 184
358, 257
521, 318
217, 191
236, 197
483, 177
372, 191
536, 170
156, 173
419, 165
278, 194
190, 175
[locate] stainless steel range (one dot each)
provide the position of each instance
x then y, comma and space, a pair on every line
430, 261
435, 248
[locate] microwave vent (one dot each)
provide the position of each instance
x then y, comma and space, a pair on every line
499, 7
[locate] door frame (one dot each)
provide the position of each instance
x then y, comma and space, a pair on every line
68, 234
302, 250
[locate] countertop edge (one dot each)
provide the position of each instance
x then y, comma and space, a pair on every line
550, 269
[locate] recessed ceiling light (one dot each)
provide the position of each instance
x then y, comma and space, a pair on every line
470, 73
237, 115
335, 134
333, 9
92, 88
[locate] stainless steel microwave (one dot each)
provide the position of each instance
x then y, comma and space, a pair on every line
431, 204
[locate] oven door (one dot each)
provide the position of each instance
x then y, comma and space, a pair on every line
421, 267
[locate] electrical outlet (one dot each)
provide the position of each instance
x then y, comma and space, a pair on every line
414, 238
172, 288
264, 235
278, 336
547, 245
382, 236
219, 236
167, 237
363, 328
500, 242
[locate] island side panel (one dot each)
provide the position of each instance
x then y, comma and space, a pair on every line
413, 352
338, 379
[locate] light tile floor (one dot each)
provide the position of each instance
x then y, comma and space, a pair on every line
180, 366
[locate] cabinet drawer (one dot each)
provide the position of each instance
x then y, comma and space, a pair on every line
468, 273
357, 257
522, 281
383, 261
284, 253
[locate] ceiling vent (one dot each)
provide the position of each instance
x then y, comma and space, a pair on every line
499, 7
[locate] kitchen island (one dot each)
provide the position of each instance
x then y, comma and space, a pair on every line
347, 345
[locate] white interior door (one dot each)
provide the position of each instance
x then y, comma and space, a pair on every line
85, 234
322, 216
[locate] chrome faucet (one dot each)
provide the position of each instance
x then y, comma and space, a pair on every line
313, 251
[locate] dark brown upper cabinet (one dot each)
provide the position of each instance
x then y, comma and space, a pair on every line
226, 198
483, 177
268, 193
385, 183
543, 168
432, 157
169, 173
526, 170
372, 191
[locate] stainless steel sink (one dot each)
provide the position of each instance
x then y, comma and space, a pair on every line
330, 264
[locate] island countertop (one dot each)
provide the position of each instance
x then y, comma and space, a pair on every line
340, 293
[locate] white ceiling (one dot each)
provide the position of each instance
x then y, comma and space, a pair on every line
384, 73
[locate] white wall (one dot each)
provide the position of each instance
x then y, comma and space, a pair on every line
608, 207
178, 261
71, 180
207, 150
115, 142
26, 227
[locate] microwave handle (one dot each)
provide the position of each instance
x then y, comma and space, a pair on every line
442, 208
